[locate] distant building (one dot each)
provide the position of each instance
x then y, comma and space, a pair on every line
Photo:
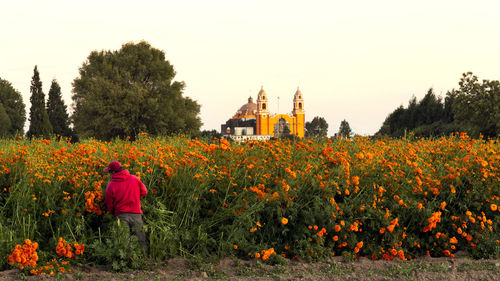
253, 120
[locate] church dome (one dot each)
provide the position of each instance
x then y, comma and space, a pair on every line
247, 109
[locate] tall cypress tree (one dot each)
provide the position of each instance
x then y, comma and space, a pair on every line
56, 110
39, 120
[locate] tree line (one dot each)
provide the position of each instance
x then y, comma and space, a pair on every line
117, 94
473, 108
318, 127
122, 93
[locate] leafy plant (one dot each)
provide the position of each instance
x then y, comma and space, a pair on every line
118, 249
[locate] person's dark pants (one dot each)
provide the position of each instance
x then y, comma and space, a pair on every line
134, 224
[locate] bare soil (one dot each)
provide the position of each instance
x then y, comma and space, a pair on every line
425, 268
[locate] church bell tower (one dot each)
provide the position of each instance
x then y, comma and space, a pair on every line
299, 113
262, 113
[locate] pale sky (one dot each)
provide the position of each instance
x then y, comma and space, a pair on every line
353, 60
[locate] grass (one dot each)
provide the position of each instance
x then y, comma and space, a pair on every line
478, 266
408, 270
207, 270
334, 268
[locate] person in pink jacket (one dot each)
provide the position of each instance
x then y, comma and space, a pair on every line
123, 199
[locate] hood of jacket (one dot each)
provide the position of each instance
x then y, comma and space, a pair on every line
120, 176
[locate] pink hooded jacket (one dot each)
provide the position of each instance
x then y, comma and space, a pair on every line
123, 193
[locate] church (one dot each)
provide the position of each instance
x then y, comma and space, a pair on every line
254, 120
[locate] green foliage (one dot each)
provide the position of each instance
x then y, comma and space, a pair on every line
125, 92
14, 107
344, 129
210, 134
57, 111
160, 228
206, 197
118, 249
4, 122
478, 104
6, 243
318, 127
427, 117
39, 120
472, 108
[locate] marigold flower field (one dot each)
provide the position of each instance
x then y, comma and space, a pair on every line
382, 199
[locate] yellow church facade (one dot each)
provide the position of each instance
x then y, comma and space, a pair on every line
254, 120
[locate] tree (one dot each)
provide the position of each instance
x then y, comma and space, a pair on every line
425, 118
14, 107
125, 92
39, 120
477, 104
4, 122
430, 109
394, 124
411, 114
344, 129
57, 111
318, 127
210, 134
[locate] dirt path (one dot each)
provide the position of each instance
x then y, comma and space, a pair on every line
335, 269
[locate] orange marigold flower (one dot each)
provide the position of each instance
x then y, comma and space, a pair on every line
468, 237
355, 180
390, 228
321, 232
493, 207
443, 205
284, 221
401, 255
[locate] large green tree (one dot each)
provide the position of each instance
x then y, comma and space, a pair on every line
39, 119
318, 127
4, 122
477, 104
344, 129
121, 93
14, 108
57, 111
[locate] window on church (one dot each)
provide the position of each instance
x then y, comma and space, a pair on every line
263, 106
300, 105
